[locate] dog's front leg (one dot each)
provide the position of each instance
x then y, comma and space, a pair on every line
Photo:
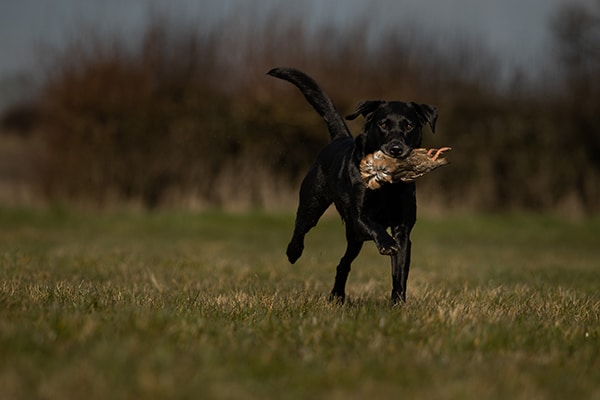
386, 244
400, 265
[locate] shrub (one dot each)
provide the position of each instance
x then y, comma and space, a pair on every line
182, 118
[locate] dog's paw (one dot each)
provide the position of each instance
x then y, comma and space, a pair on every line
294, 251
388, 247
398, 298
336, 297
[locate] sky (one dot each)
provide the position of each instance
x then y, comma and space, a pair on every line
517, 31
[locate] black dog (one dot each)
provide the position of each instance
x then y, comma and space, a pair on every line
395, 129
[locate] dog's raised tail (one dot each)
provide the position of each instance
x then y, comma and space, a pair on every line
317, 98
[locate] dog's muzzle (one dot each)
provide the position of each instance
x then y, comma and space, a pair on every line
396, 150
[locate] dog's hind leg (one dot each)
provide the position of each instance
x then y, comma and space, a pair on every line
313, 203
307, 216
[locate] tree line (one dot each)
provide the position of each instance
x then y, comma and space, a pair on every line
189, 118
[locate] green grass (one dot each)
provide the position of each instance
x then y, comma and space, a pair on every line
180, 305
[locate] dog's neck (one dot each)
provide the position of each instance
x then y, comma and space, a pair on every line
361, 147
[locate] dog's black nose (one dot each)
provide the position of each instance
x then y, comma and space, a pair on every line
396, 150
399, 151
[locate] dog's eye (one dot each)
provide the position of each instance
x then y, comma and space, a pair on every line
382, 124
408, 127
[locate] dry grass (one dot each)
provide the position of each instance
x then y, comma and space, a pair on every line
176, 305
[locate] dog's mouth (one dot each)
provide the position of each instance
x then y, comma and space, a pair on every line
396, 149
397, 153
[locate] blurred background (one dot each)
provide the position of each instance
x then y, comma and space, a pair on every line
166, 104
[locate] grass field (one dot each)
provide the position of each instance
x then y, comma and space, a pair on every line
180, 305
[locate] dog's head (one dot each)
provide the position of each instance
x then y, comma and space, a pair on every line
394, 127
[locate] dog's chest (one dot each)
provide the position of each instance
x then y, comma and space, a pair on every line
391, 203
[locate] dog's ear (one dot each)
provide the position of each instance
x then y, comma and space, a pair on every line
426, 114
365, 108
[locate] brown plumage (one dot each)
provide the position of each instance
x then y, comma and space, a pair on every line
377, 168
